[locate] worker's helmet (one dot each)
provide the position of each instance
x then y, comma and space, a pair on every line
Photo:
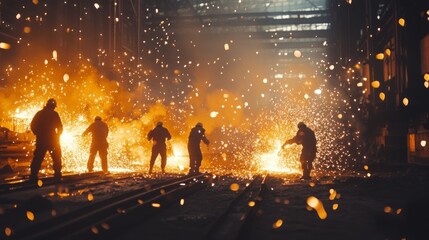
51, 103
199, 124
97, 118
159, 124
301, 124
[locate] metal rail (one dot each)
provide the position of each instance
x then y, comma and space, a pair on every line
236, 219
107, 218
21, 184
76, 187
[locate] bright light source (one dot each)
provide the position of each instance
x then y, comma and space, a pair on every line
234, 187
7, 231
382, 96
375, 84
27, 29
423, 143
317, 205
96, 5
297, 53
66, 77
387, 52
405, 101
4, 45
278, 223
379, 56
226, 46
30, 215
332, 194
357, 66
90, 197
55, 55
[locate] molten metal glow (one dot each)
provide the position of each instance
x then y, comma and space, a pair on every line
90, 197
4, 45
280, 160
234, 187
375, 84
387, 209
401, 22
30, 215
317, 205
297, 53
246, 119
7, 231
94, 230
179, 159
379, 56
226, 46
278, 223
388, 52
332, 193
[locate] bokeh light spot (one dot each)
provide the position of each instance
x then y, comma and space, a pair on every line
234, 187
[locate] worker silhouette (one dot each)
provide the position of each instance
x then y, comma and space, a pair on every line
196, 135
158, 135
306, 137
47, 126
99, 131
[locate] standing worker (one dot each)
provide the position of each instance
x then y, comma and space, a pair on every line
195, 156
159, 135
99, 132
47, 127
305, 136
